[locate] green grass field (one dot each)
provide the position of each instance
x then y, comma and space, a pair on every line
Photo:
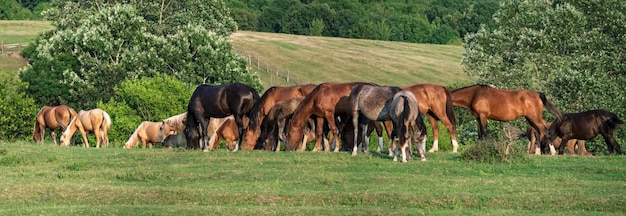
50, 180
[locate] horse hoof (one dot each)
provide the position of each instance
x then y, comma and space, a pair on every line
353, 153
433, 150
404, 161
395, 160
423, 159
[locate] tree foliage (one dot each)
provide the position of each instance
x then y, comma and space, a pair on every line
17, 111
569, 49
98, 44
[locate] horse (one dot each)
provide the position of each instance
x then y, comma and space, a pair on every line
485, 102
173, 125
55, 118
574, 146
324, 102
406, 117
95, 120
273, 126
220, 101
147, 132
436, 102
177, 140
587, 125
373, 102
227, 130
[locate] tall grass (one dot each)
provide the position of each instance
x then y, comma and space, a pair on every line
50, 180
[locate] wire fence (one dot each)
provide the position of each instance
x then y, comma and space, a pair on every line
276, 75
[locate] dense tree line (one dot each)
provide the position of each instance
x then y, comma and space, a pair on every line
22, 9
571, 50
435, 21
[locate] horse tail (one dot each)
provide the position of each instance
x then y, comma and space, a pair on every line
550, 106
107, 120
254, 113
612, 123
36, 129
134, 138
450, 109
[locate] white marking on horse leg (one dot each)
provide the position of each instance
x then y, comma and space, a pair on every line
423, 149
391, 151
552, 150
380, 145
537, 150
403, 150
455, 146
435, 147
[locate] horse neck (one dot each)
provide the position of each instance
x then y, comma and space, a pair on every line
463, 97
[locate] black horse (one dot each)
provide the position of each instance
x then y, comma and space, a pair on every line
587, 125
217, 102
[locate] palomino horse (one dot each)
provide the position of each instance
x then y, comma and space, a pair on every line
273, 126
147, 132
574, 146
406, 117
217, 102
55, 118
587, 125
436, 101
485, 102
322, 102
95, 120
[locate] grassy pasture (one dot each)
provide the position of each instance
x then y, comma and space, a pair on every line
50, 180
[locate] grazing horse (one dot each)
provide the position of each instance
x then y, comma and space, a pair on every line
587, 125
406, 117
373, 102
217, 102
147, 132
574, 146
55, 118
485, 102
178, 140
324, 102
273, 126
95, 120
436, 101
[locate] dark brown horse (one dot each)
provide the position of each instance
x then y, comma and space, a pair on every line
262, 107
273, 126
485, 102
217, 102
407, 121
587, 125
436, 101
322, 102
55, 118
574, 146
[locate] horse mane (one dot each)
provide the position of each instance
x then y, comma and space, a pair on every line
255, 111
176, 121
134, 138
472, 86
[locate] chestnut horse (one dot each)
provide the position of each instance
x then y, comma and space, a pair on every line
485, 102
262, 107
406, 117
95, 120
322, 102
147, 132
217, 102
587, 125
273, 126
436, 101
55, 118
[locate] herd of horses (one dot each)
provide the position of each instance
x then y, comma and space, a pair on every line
340, 117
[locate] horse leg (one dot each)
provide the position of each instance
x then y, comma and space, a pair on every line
581, 148
53, 133
611, 143
571, 146
452, 131
204, 123
389, 130
379, 133
330, 117
419, 140
355, 123
319, 131
96, 131
85, 141
435, 128
143, 143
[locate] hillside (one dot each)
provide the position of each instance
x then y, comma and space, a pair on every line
306, 59
323, 59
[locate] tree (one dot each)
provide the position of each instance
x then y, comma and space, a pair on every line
567, 49
17, 111
97, 45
